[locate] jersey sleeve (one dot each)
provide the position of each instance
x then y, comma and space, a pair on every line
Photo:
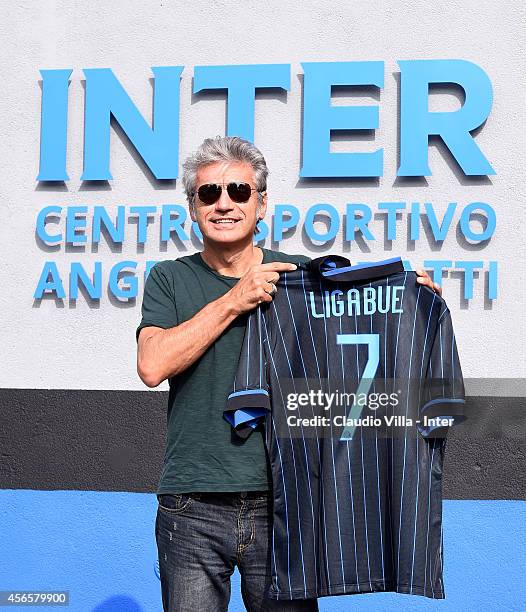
158, 303
442, 401
249, 400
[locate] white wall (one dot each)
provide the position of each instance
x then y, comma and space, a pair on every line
90, 347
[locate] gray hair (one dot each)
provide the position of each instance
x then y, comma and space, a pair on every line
221, 149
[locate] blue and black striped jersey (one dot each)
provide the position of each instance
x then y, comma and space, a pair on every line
354, 374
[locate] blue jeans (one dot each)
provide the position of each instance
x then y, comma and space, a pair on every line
202, 537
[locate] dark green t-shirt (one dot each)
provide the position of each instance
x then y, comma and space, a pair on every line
202, 453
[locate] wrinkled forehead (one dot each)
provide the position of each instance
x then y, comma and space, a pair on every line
225, 172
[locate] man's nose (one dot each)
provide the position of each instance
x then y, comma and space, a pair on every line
224, 202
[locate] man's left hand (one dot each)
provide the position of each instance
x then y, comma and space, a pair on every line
424, 279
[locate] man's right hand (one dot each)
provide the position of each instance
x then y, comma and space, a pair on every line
255, 287
163, 353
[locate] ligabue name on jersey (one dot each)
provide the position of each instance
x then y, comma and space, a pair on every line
352, 302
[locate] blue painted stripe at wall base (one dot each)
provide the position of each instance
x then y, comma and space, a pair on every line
101, 548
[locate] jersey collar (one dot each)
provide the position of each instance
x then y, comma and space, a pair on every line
337, 268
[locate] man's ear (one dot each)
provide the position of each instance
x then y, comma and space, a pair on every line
191, 208
263, 206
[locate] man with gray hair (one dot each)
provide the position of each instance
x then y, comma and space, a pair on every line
214, 511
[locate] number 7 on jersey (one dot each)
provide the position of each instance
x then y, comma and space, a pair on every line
373, 359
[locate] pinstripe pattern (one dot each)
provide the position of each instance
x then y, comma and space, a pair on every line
378, 480
312, 345
359, 515
417, 453
328, 375
405, 433
314, 531
349, 472
362, 472
298, 506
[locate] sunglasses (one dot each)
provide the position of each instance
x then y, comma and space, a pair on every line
238, 192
